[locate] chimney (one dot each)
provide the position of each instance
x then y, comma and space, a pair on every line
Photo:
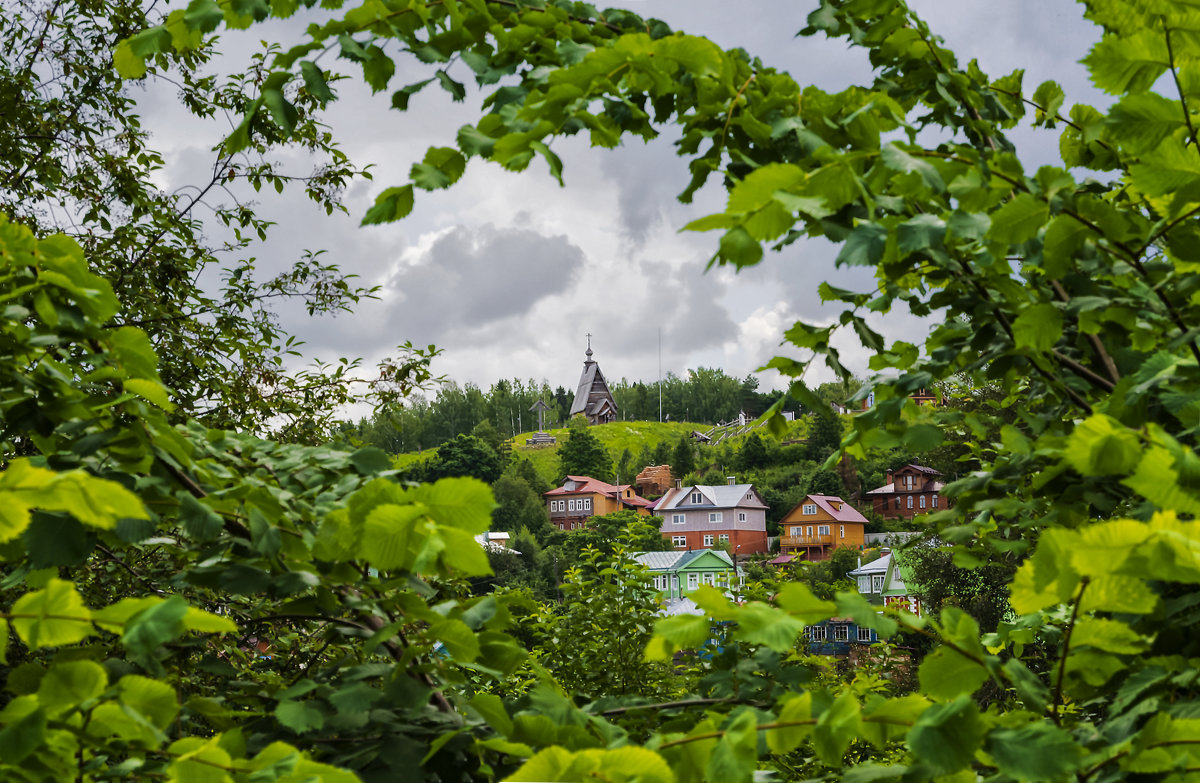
890, 479
731, 479
678, 483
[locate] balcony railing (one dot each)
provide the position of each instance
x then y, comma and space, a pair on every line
824, 540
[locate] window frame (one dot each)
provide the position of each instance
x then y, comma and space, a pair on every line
808, 509
679, 519
708, 539
722, 538
714, 517
816, 633
693, 580
696, 498
678, 541
864, 634
841, 632
910, 501
823, 530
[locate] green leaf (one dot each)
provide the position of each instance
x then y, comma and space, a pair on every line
401, 97
457, 91
1108, 635
836, 728
864, 246
1038, 327
299, 716
739, 248
1102, 446
282, 111
442, 167
1169, 167
1122, 63
758, 623
1019, 220
1049, 96
797, 708
460, 640
1038, 752
681, 632
946, 736
378, 68
152, 391
152, 699
154, 626
920, 233
922, 437
463, 503
946, 674
797, 599
734, 757
315, 83
1139, 122
386, 535
199, 521
68, 685
899, 160
390, 206
51, 617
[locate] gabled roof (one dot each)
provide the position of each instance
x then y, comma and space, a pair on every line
715, 496
919, 469
879, 566
890, 489
674, 561
589, 485
837, 508
658, 561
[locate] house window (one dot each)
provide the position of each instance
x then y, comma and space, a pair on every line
815, 633
864, 584
809, 509
795, 531
877, 583
823, 530
897, 504
841, 633
910, 501
741, 516
709, 577
571, 505
864, 634
714, 516
908, 482
842, 531
678, 519
708, 540
678, 540
723, 539
693, 581
660, 582
933, 501
808, 530
697, 497
922, 501
587, 504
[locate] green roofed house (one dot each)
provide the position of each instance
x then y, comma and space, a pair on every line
887, 581
676, 574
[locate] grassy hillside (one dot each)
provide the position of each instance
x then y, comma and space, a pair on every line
616, 437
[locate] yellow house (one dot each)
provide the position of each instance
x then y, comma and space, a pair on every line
819, 524
581, 497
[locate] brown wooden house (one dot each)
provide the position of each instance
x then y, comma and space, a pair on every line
910, 491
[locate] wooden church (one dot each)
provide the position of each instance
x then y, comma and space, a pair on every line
592, 397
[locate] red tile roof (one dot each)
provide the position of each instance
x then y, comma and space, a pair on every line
844, 512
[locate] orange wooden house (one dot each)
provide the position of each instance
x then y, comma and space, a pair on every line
819, 524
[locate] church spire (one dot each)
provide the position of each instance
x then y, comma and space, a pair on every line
588, 352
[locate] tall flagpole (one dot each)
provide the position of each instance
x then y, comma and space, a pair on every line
660, 375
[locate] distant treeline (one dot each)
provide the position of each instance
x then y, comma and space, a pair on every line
705, 396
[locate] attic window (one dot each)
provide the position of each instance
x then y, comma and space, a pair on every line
697, 497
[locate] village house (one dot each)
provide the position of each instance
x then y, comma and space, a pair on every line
910, 491
818, 525
582, 497
887, 581
702, 516
675, 574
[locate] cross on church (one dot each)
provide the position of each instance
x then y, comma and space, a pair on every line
589, 338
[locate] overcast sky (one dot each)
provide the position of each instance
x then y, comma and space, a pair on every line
507, 272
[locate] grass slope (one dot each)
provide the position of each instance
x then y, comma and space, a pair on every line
615, 437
